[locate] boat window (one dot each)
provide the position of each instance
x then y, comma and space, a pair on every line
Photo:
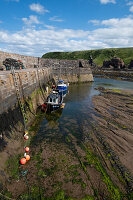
54, 100
50, 99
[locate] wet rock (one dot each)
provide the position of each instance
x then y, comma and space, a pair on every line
115, 63
101, 89
107, 63
131, 65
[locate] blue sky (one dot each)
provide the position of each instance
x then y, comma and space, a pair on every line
35, 27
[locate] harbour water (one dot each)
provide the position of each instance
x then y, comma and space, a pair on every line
78, 107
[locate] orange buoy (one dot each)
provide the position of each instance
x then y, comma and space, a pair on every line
27, 149
22, 161
27, 157
26, 137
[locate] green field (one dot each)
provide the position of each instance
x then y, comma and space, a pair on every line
98, 55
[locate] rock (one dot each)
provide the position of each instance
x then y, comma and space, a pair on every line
115, 63
131, 65
1, 68
106, 63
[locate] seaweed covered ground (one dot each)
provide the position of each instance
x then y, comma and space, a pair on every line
94, 164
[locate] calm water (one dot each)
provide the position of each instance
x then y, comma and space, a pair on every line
78, 108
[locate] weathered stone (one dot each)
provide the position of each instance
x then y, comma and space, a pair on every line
115, 62
131, 65
107, 63
28, 81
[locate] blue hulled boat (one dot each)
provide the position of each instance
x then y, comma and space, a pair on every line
61, 86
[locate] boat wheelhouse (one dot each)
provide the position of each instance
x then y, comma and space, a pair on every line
54, 101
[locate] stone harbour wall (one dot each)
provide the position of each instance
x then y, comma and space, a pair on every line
28, 81
69, 70
28, 61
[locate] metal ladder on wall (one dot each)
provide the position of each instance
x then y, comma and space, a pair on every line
15, 79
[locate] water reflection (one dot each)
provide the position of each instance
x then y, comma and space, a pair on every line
52, 118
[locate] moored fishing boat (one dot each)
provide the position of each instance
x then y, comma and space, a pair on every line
61, 86
54, 101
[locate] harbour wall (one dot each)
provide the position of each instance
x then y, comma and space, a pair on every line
69, 70
28, 61
28, 81
32, 85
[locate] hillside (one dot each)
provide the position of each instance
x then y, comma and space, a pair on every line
98, 55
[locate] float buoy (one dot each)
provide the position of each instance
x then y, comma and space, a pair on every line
26, 137
26, 132
27, 149
22, 161
27, 157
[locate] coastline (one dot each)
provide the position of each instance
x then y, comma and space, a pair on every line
118, 75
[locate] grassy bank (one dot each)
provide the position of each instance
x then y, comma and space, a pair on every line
98, 55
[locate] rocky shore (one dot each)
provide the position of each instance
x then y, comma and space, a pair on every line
114, 131
107, 73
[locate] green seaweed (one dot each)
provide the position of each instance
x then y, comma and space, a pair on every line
113, 189
12, 166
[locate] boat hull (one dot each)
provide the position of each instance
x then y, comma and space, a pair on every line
52, 108
62, 88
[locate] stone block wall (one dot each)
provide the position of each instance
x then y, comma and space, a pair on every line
28, 61
28, 81
69, 70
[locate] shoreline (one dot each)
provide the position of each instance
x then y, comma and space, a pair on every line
118, 75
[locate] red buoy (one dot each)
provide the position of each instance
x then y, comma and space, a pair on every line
22, 161
26, 137
27, 157
27, 149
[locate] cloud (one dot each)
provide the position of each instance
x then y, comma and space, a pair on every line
131, 9
49, 26
55, 19
108, 1
110, 33
38, 8
32, 20
130, 3
94, 21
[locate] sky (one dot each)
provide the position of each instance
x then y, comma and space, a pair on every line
35, 27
